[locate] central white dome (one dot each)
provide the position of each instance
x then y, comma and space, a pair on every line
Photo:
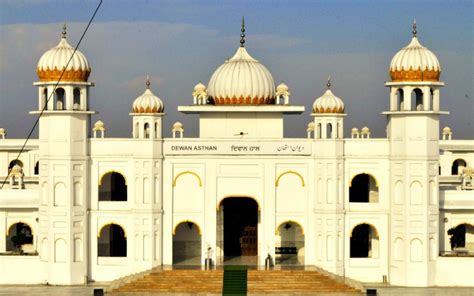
242, 80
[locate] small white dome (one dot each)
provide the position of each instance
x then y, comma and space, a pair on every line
16, 169
446, 130
310, 127
354, 130
199, 86
177, 125
2, 131
328, 102
365, 130
99, 126
282, 87
148, 102
242, 80
415, 62
54, 61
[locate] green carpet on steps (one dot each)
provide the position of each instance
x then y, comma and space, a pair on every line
235, 280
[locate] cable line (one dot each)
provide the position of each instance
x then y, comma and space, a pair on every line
54, 90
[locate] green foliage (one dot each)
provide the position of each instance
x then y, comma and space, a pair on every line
457, 236
19, 239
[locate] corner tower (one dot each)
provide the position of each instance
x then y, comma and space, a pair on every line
328, 151
413, 128
147, 114
64, 162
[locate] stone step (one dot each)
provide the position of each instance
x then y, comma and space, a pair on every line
258, 281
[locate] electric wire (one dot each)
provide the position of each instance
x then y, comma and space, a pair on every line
54, 90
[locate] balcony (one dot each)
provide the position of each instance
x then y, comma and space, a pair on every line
18, 198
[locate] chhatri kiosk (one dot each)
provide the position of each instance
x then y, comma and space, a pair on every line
98, 208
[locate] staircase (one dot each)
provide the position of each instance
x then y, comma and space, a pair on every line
175, 281
296, 281
232, 282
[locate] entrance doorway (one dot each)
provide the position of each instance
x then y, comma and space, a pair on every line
238, 231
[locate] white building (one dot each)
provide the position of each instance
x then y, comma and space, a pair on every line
96, 208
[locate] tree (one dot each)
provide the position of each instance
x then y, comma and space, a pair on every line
457, 236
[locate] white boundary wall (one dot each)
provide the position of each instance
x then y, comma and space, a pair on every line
21, 270
455, 271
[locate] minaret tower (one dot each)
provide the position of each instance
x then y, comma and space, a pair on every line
413, 128
328, 113
147, 114
64, 163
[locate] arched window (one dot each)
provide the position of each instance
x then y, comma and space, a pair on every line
417, 100
328, 131
60, 102
37, 168
44, 99
146, 128
77, 99
137, 130
364, 242
319, 131
363, 188
432, 102
400, 99
13, 163
156, 129
112, 187
19, 237
458, 166
112, 241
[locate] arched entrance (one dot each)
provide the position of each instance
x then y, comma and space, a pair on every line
238, 231
289, 244
187, 244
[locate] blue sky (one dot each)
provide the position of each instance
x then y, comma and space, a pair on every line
182, 42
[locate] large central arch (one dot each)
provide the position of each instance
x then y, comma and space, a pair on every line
237, 230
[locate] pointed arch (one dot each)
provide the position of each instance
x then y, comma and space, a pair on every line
277, 230
187, 221
110, 224
365, 223
237, 196
277, 182
112, 171
187, 172
375, 179
22, 222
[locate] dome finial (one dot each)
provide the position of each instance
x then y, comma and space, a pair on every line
64, 30
148, 82
414, 28
328, 84
242, 35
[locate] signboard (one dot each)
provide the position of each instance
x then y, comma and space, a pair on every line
237, 148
